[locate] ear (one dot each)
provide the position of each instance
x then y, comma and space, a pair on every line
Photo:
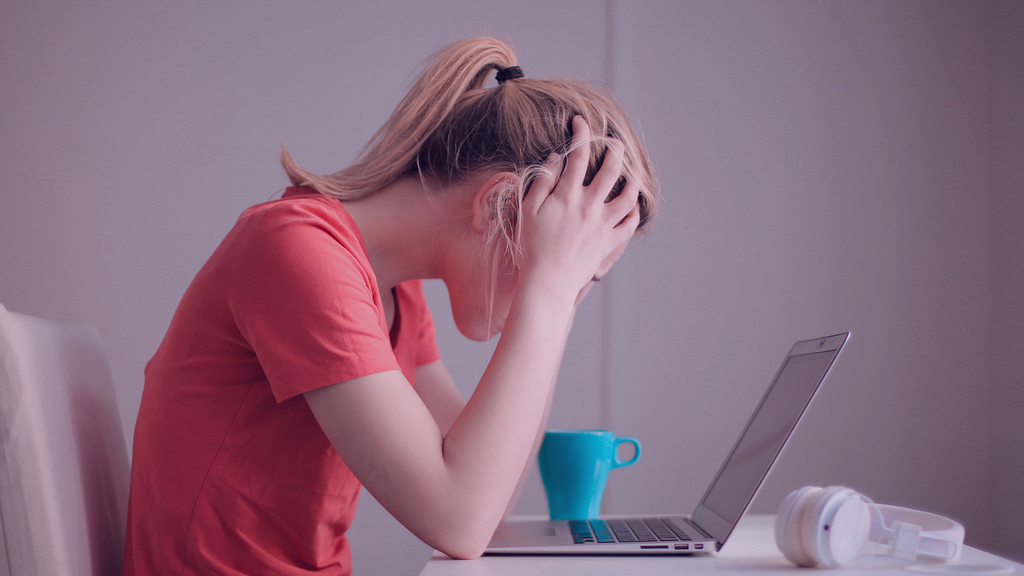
487, 197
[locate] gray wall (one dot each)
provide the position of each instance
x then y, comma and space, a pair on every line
1006, 181
826, 167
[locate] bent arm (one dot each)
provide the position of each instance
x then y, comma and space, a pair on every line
451, 490
434, 385
437, 389
551, 392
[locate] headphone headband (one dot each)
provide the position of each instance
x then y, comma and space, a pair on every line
937, 536
832, 527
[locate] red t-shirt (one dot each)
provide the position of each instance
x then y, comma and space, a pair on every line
231, 474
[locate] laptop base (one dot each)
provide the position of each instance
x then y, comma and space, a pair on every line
613, 535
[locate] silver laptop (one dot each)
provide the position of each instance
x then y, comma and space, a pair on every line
735, 485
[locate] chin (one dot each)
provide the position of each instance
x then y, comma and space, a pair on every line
479, 331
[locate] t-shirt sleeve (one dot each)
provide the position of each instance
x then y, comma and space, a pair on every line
306, 301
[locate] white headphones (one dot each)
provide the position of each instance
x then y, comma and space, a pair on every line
832, 527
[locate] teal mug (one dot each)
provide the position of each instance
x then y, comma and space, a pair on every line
574, 466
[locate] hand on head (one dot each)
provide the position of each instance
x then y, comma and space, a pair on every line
571, 234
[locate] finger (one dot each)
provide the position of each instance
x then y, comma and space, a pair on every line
629, 224
544, 183
627, 200
579, 154
627, 227
611, 169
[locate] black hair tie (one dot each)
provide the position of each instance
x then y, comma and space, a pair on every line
510, 73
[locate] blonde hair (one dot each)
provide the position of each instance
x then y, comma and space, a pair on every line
449, 127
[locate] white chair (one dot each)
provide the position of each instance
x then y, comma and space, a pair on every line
63, 456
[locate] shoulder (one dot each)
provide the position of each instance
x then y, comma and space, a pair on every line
302, 206
302, 222
304, 243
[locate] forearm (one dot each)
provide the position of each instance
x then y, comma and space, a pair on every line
491, 443
547, 410
451, 490
525, 474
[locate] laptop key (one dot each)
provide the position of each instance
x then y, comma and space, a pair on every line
621, 531
660, 530
676, 529
602, 532
641, 531
579, 527
580, 532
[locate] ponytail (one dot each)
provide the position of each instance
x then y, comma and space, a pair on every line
448, 127
391, 153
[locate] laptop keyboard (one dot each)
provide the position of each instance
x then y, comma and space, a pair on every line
638, 530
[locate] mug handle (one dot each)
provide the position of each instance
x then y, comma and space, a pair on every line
618, 463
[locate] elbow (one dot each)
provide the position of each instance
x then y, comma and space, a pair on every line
459, 527
462, 547
463, 552
462, 542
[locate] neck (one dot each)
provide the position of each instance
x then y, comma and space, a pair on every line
406, 228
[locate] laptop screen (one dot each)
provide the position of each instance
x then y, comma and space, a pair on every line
767, 431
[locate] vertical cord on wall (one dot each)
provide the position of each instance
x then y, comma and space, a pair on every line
607, 284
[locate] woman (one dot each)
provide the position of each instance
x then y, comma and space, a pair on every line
283, 384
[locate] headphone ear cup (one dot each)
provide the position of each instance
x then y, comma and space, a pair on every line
846, 533
835, 529
791, 522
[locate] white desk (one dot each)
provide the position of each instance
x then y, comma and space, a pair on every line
750, 551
